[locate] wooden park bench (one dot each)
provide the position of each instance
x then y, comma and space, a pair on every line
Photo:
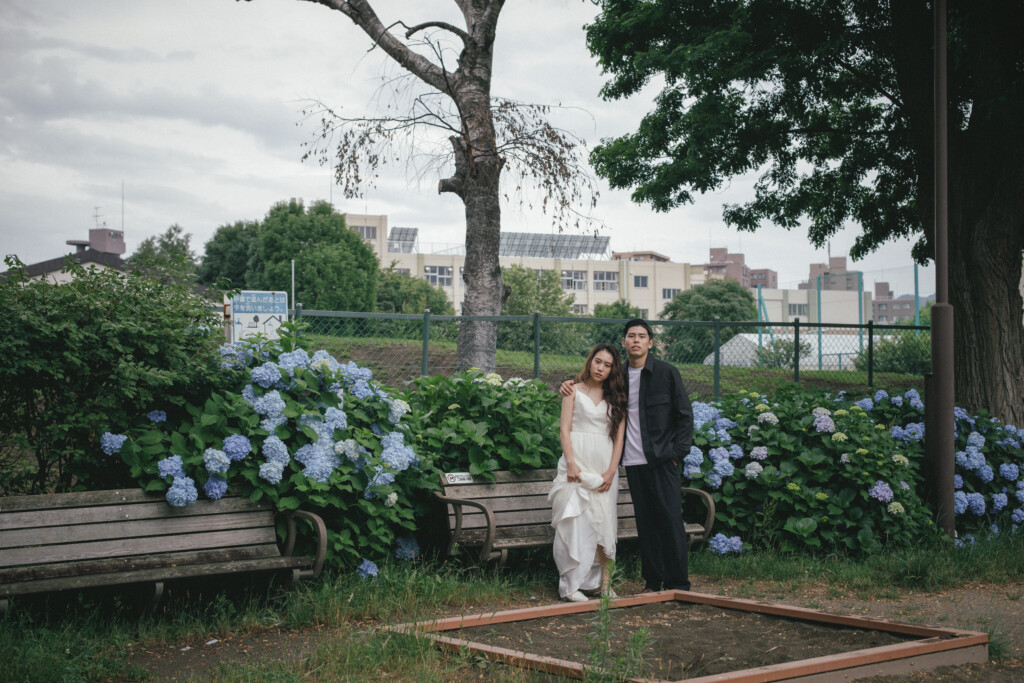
513, 512
70, 541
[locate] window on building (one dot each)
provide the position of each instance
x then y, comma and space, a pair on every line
640, 281
798, 310
669, 293
404, 272
606, 281
882, 307
579, 309
439, 276
574, 279
643, 312
539, 272
367, 232
906, 307
882, 319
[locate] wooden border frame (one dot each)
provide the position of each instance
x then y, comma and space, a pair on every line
933, 647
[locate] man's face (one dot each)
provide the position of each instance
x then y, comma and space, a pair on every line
637, 342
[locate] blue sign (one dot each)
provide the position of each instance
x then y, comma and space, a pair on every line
257, 313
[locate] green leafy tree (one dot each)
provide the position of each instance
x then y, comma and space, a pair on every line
397, 293
727, 300
88, 356
170, 253
833, 103
778, 353
226, 255
334, 269
611, 333
529, 292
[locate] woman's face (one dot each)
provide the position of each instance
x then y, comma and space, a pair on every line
601, 365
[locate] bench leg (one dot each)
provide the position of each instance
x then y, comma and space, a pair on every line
158, 592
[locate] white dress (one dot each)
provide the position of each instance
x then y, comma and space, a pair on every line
583, 518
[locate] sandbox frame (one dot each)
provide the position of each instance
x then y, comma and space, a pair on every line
932, 647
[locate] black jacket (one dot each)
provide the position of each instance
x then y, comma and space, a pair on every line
666, 417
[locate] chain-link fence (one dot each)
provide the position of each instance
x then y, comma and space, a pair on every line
713, 357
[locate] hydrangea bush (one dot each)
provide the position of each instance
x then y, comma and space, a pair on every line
300, 430
481, 423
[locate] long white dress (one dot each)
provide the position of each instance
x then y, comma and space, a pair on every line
583, 518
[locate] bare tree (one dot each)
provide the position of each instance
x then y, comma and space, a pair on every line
484, 133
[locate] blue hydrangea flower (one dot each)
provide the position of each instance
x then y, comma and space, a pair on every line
759, 452
406, 548
959, 502
722, 544
999, 501
319, 460
704, 412
1017, 516
985, 473
171, 467
267, 375
691, 471
335, 419
865, 403
896, 400
915, 431
1009, 471
975, 459
112, 443
965, 541
216, 461
270, 424
694, 457
361, 389
718, 453
182, 492
881, 491
269, 404
367, 569
249, 394
397, 408
274, 450
725, 423
157, 416
713, 479
975, 439
272, 471
735, 452
958, 481
215, 487
961, 414
880, 395
237, 447
724, 468
322, 355
234, 356
824, 424
753, 470
316, 423
293, 359
396, 454
976, 503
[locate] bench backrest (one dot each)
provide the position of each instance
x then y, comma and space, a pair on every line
113, 530
520, 505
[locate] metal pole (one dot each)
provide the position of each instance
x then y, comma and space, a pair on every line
796, 351
917, 303
760, 302
426, 342
871, 353
819, 322
860, 307
718, 356
940, 443
536, 344
293, 283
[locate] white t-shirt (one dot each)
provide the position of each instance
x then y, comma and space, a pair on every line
633, 452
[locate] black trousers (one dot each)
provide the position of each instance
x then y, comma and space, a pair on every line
657, 496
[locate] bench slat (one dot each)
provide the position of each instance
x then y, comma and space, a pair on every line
144, 528
80, 498
473, 518
161, 574
510, 535
114, 564
531, 502
149, 508
135, 546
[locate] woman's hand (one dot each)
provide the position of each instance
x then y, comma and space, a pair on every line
567, 388
572, 471
608, 477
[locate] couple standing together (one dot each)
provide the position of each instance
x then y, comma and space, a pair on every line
638, 413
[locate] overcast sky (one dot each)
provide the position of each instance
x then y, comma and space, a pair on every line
194, 106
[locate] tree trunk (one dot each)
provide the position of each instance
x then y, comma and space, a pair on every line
984, 276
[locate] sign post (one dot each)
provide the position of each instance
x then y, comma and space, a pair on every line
257, 313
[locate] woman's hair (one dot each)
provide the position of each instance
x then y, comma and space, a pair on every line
614, 386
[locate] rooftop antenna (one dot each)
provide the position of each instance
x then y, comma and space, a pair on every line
122, 204
97, 216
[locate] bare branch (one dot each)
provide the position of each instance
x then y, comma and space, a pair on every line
465, 37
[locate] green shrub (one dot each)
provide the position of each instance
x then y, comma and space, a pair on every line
301, 431
906, 351
78, 358
480, 424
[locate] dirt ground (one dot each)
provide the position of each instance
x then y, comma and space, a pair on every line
998, 610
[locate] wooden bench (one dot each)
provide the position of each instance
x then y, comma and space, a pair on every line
100, 538
513, 512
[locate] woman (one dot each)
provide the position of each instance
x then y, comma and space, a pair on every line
583, 495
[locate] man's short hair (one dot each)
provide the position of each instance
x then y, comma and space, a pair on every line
637, 322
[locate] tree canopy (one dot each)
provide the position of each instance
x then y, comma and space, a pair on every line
398, 293
226, 254
727, 300
170, 252
529, 292
832, 103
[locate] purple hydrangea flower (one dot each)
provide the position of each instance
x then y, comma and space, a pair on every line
157, 416
216, 461
215, 487
881, 491
718, 453
182, 492
367, 569
722, 544
406, 548
171, 467
1009, 471
112, 443
824, 424
759, 452
237, 447
976, 503
266, 375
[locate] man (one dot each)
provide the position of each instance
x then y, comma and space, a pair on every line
659, 433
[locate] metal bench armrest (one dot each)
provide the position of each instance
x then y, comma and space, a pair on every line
321, 542
457, 504
709, 503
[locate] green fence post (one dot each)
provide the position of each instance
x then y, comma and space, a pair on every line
426, 341
718, 356
796, 351
536, 344
297, 313
871, 353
